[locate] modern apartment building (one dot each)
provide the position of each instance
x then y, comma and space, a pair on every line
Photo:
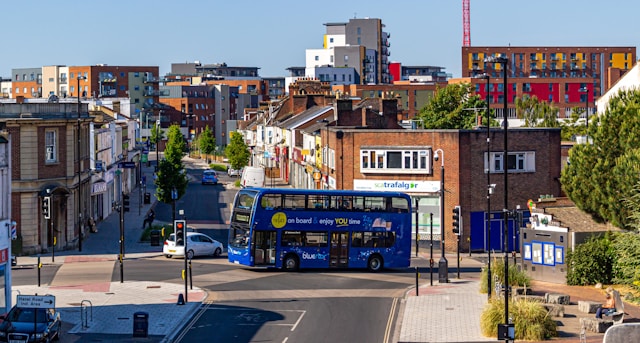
567, 77
139, 83
360, 44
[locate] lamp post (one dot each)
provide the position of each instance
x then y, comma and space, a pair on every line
79, 165
489, 188
443, 267
585, 90
505, 157
157, 142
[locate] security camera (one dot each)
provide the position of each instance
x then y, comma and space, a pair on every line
436, 157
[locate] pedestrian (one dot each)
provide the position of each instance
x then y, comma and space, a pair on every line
609, 305
151, 216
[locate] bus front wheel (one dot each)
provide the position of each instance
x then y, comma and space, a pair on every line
375, 263
291, 262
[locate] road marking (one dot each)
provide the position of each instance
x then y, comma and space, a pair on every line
392, 314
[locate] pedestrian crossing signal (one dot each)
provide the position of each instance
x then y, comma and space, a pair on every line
46, 207
125, 202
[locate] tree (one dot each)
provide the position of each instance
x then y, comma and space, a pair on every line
171, 170
536, 113
207, 142
176, 146
574, 126
452, 107
237, 151
604, 172
157, 134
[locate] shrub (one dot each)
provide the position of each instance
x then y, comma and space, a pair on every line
516, 276
591, 262
218, 167
531, 320
626, 267
145, 236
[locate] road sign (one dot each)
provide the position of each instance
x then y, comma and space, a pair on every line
126, 165
36, 301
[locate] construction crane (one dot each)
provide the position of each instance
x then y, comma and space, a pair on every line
466, 24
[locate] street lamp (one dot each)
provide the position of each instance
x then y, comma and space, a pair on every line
443, 267
505, 157
79, 165
489, 186
157, 142
585, 90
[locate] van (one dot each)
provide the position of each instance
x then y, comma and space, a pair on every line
252, 177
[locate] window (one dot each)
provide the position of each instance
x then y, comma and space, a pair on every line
50, 146
517, 162
317, 58
407, 161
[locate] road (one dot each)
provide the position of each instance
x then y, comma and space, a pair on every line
250, 305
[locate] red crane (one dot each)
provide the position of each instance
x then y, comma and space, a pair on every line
466, 24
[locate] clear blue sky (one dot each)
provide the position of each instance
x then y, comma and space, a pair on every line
273, 35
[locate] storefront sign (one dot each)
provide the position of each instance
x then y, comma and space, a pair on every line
397, 186
99, 187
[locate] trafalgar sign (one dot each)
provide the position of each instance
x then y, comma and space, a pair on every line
407, 186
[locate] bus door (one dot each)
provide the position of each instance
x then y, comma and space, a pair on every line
339, 252
264, 251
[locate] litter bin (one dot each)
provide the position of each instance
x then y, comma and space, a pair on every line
147, 198
155, 238
140, 324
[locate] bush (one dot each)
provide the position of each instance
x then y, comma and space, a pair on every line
591, 262
146, 233
516, 276
218, 167
531, 319
626, 267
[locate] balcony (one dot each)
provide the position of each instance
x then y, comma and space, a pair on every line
151, 92
63, 80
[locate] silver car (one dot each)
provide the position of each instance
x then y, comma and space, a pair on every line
198, 244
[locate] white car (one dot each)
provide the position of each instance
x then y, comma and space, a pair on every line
198, 244
234, 172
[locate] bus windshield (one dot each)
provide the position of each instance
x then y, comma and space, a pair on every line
297, 228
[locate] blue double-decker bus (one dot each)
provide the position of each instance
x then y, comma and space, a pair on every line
301, 228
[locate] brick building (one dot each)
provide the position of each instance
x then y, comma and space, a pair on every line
402, 160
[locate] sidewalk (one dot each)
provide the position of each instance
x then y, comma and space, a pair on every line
94, 307
447, 312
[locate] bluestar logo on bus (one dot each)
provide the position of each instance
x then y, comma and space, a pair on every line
396, 185
316, 256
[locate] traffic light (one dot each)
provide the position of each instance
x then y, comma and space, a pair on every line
180, 226
46, 207
457, 224
125, 202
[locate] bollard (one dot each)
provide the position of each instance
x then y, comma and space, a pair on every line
180, 299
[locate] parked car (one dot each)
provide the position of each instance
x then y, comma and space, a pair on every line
252, 177
198, 244
26, 324
209, 176
234, 172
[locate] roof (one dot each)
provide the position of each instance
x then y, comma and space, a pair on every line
305, 117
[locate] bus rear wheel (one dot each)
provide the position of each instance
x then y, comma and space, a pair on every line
375, 263
291, 263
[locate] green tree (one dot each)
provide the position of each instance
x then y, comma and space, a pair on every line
536, 113
171, 172
176, 146
157, 134
207, 142
574, 126
237, 151
604, 172
451, 108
